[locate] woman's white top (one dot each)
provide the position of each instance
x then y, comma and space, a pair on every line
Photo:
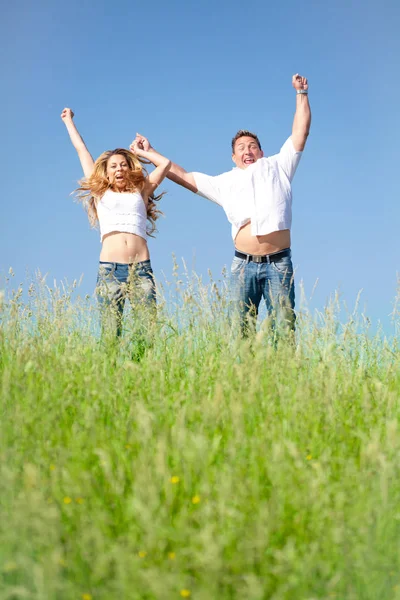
260, 194
122, 212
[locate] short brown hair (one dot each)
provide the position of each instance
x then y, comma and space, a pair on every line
244, 133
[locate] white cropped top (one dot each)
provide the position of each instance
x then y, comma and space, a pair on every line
123, 212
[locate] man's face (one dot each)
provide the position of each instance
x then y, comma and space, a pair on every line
246, 152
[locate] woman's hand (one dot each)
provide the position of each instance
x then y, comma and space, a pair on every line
67, 114
142, 148
134, 147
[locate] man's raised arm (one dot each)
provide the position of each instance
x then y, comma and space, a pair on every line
302, 117
178, 175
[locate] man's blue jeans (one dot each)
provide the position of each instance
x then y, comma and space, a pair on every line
272, 281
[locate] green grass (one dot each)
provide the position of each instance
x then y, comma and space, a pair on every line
226, 468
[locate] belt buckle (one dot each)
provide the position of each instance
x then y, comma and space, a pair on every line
257, 259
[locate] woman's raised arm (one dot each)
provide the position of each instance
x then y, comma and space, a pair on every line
85, 157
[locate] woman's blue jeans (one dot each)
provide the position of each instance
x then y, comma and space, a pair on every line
117, 282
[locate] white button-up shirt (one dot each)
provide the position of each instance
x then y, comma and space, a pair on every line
260, 194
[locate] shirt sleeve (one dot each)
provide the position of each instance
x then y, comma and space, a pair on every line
288, 158
208, 187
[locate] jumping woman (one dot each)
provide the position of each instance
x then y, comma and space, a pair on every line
119, 197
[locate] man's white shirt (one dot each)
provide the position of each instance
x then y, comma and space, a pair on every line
260, 194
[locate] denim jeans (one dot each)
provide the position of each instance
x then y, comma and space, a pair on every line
117, 282
272, 281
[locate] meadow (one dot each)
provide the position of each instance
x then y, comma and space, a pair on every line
195, 464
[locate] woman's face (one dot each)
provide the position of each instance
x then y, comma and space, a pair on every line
117, 167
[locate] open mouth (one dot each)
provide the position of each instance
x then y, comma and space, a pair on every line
248, 161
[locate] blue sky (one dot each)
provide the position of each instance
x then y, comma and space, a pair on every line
189, 75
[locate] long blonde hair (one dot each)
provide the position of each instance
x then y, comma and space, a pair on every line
93, 188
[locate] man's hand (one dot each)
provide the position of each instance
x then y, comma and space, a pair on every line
299, 82
67, 114
140, 143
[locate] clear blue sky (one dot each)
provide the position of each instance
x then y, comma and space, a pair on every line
189, 75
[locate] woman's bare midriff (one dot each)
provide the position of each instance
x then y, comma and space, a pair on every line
261, 244
124, 248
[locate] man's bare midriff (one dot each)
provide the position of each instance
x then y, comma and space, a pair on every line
124, 248
261, 244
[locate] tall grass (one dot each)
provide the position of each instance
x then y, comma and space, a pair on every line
197, 464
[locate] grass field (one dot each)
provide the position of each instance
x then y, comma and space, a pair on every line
199, 465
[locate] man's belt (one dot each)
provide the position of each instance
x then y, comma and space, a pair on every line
265, 258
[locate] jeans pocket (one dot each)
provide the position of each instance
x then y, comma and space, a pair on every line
283, 266
145, 271
105, 271
237, 265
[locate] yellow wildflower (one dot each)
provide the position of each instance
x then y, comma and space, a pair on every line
196, 499
67, 500
185, 593
86, 596
308, 457
52, 467
171, 555
175, 479
142, 553
79, 500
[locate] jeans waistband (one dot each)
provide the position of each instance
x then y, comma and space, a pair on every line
142, 263
265, 258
